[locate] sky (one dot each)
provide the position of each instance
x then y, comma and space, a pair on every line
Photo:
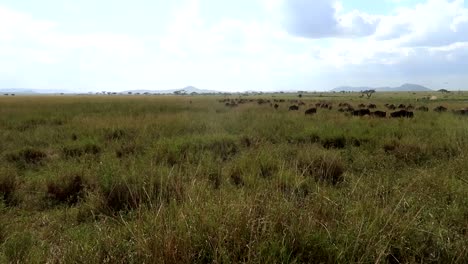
262, 45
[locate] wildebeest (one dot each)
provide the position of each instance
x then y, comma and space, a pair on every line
409, 107
440, 109
402, 106
423, 108
311, 111
361, 105
276, 106
231, 104
371, 106
293, 108
402, 113
391, 106
461, 111
361, 112
381, 114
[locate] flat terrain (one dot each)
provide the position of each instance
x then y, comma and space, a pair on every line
187, 179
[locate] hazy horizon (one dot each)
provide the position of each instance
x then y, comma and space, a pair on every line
262, 45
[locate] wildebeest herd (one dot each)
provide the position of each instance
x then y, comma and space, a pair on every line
396, 111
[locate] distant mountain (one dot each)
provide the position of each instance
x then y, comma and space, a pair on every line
408, 87
32, 91
187, 90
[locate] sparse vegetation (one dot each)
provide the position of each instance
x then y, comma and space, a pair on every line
141, 179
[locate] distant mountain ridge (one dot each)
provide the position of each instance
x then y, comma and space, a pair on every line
187, 90
407, 87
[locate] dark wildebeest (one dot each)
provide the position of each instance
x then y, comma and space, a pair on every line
311, 111
402, 106
461, 112
371, 106
409, 107
362, 106
391, 107
440, 109
293, 108
381, 114
423, 108
361, 112
402, 113
276, 106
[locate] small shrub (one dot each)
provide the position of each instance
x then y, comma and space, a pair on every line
66, 190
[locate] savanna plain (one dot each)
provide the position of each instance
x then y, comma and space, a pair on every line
207, 179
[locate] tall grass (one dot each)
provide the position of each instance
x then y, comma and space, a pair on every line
162, 180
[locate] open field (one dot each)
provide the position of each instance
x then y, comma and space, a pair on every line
185, 179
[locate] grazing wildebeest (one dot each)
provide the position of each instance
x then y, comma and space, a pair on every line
402, 106
361, 112
231, 104
409, 107
311, 111
391, 107
440, 109
361, 105
423, 108
302, 103
381, 114
293, 108
371, 106
402, 113
461, 111
276, 106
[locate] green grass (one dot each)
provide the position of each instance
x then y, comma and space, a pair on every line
143, 179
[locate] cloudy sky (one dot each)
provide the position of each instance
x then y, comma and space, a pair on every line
114, 45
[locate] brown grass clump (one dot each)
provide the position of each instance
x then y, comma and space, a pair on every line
8, 186
325, 169
27, 158
68, 189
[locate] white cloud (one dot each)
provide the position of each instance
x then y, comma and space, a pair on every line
325, 18
426, 43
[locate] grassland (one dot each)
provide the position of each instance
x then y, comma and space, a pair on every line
188, 180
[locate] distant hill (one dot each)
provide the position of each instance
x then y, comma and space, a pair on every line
403, 88
188, 90
32, 91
